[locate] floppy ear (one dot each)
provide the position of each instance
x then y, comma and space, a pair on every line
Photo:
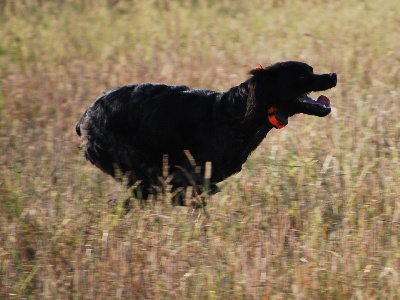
257, 101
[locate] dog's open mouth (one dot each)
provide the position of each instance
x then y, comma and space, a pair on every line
320, 107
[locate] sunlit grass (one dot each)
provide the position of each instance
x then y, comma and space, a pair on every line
313, 215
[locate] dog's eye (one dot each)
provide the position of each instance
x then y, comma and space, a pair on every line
303, 77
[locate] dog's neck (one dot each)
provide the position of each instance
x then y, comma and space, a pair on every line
234, 101
242, 108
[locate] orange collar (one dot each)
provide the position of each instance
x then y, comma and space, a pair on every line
272, 118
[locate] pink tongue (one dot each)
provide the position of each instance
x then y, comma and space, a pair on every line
323, 100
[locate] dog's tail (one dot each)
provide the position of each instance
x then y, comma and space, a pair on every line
78, 128
79, 124
102, 149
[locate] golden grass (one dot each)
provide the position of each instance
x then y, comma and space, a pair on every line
313, 215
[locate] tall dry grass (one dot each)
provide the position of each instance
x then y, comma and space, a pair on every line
313, 215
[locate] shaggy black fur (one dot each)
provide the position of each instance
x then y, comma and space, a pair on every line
128, 130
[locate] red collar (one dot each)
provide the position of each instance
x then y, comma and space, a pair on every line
272, 118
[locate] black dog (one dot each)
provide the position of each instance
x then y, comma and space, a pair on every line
128, 131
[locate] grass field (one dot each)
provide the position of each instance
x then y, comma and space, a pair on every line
313, 215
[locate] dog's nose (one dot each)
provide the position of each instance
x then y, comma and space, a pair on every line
333, 76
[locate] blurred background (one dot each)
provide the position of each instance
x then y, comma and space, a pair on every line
313, 215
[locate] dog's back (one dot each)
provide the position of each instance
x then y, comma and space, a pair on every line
129, 129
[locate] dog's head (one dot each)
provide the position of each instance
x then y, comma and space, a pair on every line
286, 86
